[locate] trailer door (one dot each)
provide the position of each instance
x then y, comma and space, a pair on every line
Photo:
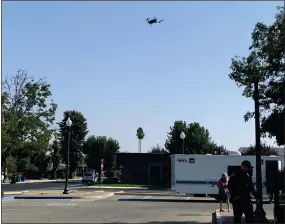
271, 171
233, 169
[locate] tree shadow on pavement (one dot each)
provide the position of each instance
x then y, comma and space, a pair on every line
168, 200
167, 222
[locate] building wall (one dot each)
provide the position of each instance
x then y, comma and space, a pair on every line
144, 168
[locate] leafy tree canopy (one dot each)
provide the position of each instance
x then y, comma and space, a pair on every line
78, 132
100, 147
269, 42
197, 139
140, 133
27, 115
158, 149
266, 150
217, 149
268, 47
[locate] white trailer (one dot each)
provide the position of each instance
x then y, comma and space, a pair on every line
198, 174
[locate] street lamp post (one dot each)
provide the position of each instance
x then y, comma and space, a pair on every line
259, 213
182, 136
66, 189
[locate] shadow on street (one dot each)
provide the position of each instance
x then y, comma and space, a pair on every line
167, 200
167, 222
176, 200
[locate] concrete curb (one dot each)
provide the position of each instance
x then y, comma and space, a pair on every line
177, 200
23, 192
115, 188
149, 194
44, 192
15, 192
8, 198
45, 181
47, 197
217, 217
214, 218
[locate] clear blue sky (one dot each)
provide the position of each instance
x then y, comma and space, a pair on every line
103, 59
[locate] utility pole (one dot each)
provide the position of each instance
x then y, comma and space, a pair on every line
259, 213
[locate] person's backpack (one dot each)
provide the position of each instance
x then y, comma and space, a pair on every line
220, 184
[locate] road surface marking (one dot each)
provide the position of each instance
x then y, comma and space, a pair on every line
60, 204
103, 196
146, 197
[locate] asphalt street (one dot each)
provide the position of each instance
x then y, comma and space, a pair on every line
38, 186
107, 210
113, 209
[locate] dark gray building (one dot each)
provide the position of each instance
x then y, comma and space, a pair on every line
144, 168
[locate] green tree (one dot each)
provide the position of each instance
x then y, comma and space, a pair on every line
93, 151
267, 76
174, 142
269, 42
100, 147
140, 136
158, 149
28, 113
112, 147
11, 165
55, 158
197, 138
217, 149
78, 132
266, 150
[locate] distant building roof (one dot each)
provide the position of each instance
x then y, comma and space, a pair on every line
280, 150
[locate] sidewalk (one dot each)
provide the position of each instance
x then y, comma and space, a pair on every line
227, 217
105, 186
44, 181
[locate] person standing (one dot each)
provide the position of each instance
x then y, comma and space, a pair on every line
223, 191
240, 187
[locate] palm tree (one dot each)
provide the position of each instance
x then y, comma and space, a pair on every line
140, 135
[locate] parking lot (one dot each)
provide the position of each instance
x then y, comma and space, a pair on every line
112, 209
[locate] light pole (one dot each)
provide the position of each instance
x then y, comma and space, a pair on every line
68, 124
259, 213
182, 136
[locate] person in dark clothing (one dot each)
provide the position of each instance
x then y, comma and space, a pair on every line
240, 187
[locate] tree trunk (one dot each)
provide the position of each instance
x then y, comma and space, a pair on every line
54, 173
4, 169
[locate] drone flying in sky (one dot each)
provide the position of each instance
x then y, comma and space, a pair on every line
153, 20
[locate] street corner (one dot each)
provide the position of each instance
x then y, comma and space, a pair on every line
7, 198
